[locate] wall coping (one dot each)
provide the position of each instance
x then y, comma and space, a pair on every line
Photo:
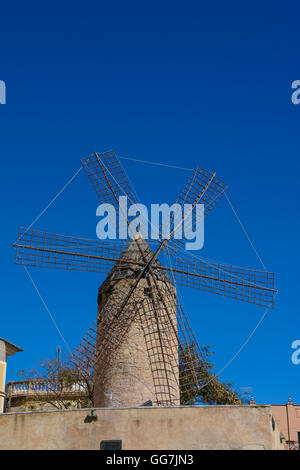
135, 408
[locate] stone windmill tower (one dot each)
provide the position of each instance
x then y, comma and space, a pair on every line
146, 366
141, 346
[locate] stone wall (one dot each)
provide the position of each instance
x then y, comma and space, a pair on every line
190, 428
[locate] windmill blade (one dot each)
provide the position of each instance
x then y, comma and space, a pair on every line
203, 187
178, 365
101, 343
108, 178
83, 358
50, 250
159, 327
43, 249
249, 285
193, 368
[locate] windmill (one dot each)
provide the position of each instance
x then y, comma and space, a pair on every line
141, 346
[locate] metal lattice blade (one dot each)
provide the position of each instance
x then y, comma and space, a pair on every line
193, 368
204, 188
108, 178
83, 357
50, 250
43, 249
190, 361
249, 285
176, 360
103, 340
157, 315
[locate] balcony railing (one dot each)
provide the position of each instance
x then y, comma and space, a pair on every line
26, 388
292, 445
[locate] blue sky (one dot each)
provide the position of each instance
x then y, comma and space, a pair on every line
179, 83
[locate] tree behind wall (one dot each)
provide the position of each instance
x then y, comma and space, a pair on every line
211, 390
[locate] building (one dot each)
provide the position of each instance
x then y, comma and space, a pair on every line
6, 349
288, 418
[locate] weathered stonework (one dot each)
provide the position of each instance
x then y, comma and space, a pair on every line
144, 365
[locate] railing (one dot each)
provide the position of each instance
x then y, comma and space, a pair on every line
25, 388
292, 445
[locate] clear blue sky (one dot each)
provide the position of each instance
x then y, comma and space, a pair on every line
181, 83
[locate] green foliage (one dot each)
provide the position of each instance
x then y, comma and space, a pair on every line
211, 390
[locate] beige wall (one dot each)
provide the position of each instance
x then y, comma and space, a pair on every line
213, 427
